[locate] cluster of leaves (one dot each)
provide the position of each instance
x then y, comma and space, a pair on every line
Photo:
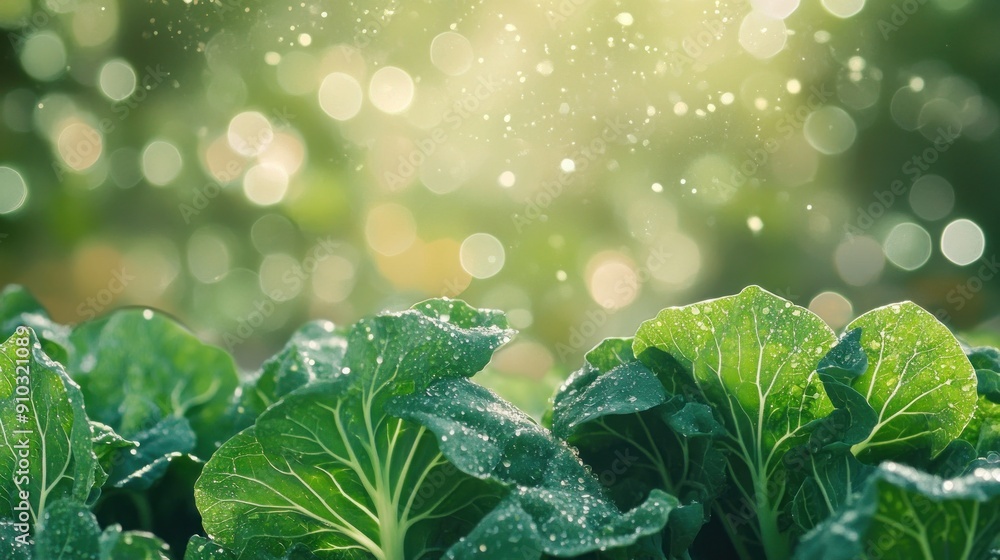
793, 443
737, 427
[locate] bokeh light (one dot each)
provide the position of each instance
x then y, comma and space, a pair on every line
963, 242
117, 79
13, 190
80, 145
776, 9
761, 35
833, 308
265, 184
932, 197
208, 255
844, 8
551, 160
451, 53
859, 260
391, 90
43, 56
340, 96
250, 133
390, 229
612, 280
830, 130
161, 162
908, 246
482, 255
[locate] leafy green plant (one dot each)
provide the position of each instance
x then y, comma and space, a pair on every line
736, 427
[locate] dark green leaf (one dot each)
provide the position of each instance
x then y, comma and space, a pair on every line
984, 357
611, 382
988, 384
15, 541
983, 431
905, 513
830, 480
753, 358
138, 468
136, 367
314, 352
45, 430
854, 419
68, 530
558, 507
200, 548
131, 545
637, 436
327, 468
109, 448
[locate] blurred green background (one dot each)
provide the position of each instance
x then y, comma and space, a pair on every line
581, 164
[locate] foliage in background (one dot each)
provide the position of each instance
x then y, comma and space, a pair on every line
696, 165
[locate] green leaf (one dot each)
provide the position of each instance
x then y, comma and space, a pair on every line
752, 357
328, 468
854, 418
136, 367
612, 382
637, 436
905, 513
68, 530
200, 548
45, 430
15, 541
132, 545
109, 448
988, 384
155, 448
984, 357
983, 431
314, 352
830, 480
824, 471
919, 381
554, 505
18, 308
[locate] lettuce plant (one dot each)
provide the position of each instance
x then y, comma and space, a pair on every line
806, 427
736, 427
